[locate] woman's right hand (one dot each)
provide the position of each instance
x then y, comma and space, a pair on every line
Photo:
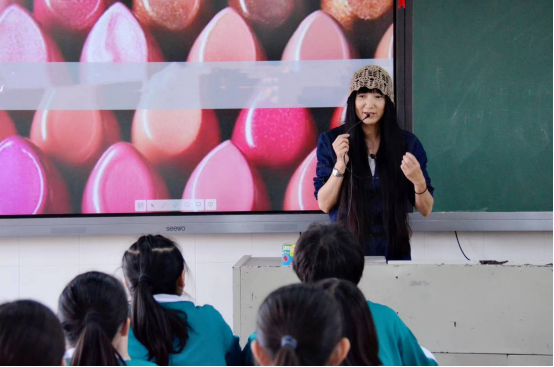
341, 146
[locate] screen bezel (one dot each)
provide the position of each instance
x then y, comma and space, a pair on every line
239, 222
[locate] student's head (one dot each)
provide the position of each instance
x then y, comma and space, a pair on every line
93, 311
328, 250
154, 265
299, 325
358, 322
30, 335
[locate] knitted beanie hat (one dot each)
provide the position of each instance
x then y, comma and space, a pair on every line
373, 76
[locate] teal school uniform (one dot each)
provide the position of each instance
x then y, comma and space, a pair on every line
211, 341
397, 344
133, 362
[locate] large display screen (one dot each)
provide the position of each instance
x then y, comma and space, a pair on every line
231, 100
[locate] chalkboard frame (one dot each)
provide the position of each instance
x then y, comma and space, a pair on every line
403, 69
447, 221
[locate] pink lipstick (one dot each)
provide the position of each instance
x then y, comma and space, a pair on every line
22, 38
300, 191
225, 175
118, 37
175, 139
121, 176
318, 37
227, 37
276, 138
75, 139
30, 183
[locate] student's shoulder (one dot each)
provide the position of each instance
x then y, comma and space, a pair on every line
139, 362
207, 313
193, 310
132, 362
379, 311
252, 337
207, 309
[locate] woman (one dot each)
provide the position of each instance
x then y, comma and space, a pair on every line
93, 311
369, 170
300, 325
165, 328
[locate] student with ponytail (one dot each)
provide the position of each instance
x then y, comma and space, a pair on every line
93, 311
359, 327
30, 335
165, 328
300, 325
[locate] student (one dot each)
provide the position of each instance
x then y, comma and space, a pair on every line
30, 335
93, 310
165, 328
300, 325
331, 251
358, 322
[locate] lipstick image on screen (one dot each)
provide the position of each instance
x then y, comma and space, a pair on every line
5, 3
118, 37
276, 138
174, 23
175, 139
227, 37
68, 22
273, 21
336, 118
75, 139
22, 39
30, 183
348, 12
300, 190
385, 49
267, 13
225, 175
318, 37
121, 176
7, 127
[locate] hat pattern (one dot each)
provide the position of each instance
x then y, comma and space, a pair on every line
373, 76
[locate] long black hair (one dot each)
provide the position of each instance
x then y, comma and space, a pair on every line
359, 327
309, 316
355, 196
30, 335
152, 265
92, 309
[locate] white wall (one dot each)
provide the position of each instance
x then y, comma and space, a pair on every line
39, 267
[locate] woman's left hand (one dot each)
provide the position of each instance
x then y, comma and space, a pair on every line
412, 170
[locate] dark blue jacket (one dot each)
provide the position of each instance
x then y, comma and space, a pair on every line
326, 158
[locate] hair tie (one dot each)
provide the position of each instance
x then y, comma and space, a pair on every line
144, 278
92, 316
289, 340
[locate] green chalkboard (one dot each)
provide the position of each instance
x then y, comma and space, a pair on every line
483, 102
